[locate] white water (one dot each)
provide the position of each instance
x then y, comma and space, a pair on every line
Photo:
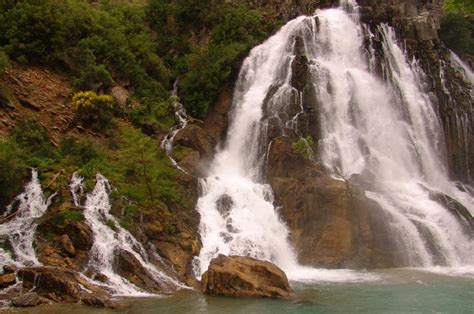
19, 231
387, 130
180, 113
108, 242
462, 67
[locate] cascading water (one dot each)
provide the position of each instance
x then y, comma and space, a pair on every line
180, 113
110, 238
385, 130
18, 232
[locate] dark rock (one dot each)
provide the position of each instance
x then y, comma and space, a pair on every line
237, 276
9, 269
58, 284
28, 300
7, 280
100, 301
127, 266
224, 205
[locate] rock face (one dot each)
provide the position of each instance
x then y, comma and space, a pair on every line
332, 223
237, 276
63, 285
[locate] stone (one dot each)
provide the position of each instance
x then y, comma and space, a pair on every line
28, 300
9, 269
332, 224
128, 266
58, 284
237, 276
100, 301
7, 280
67, 245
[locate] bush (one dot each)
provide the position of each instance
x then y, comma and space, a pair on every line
304, 146
93, 110
13, 172
456, 32
4, 62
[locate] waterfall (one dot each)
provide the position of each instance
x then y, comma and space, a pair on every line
383, 129
110, 238
180, 113
17, 233
462, 67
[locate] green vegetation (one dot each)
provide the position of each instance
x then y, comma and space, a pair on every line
205, 61
4, 62
69, 215
142, 45
95, 111
131, 160
457, 27
304, 146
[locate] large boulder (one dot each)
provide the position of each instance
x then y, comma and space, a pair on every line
237, 276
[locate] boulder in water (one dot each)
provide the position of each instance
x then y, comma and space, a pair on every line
237, 276
28, 300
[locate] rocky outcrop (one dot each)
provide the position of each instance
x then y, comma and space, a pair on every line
237, 276
332, 224
63, 285
194, 149
7, 280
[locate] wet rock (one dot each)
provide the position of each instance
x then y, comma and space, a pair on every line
224, 205
58, 284
80, 235
7, 280
67, 245
127, 266
332, 224
237, 276
28, 300
100, 301
9, 269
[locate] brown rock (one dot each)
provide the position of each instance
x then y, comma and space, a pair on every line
67, 245
7, 280
100, 300
28, 300
332, 224
127, 266
58, 284
237, 276
8, 269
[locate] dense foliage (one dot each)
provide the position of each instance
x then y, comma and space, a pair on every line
457, 26
140, 46
131, 160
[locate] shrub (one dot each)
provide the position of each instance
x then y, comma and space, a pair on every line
13, 171
456, 32
304, 146
93, 110
4, 62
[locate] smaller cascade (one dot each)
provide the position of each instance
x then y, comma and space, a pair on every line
462, 67
180, 112
18, 231
110, 239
